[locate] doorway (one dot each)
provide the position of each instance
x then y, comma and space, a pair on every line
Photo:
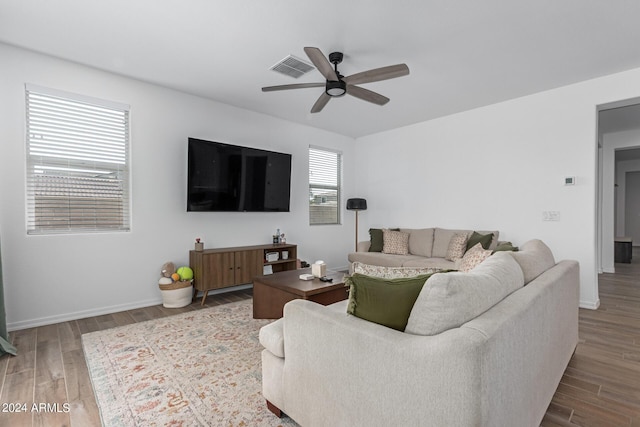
632, 206
618, 139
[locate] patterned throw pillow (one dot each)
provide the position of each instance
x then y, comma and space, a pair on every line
473, 258
395, 242
391, 272
457, 247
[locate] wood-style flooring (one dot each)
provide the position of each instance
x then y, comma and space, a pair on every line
601, 386
50, 367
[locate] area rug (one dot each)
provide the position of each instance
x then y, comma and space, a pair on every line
200, 368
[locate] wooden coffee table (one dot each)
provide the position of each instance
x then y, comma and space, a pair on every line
272, 292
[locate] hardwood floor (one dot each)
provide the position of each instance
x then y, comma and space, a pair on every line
50, 367
601, 386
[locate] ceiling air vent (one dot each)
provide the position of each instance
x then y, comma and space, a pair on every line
292, 66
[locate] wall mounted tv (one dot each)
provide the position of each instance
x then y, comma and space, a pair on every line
229, 178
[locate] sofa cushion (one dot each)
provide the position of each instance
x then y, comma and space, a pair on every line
395, 242
473, 257
271, 337
387, 302
442, 237
484, 239
449, 300
457, 247
379, 258
423, 262
534, 257
391, 272
420, 241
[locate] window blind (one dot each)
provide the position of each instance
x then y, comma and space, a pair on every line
325, 170
77, 163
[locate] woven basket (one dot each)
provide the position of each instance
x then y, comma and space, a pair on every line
178, 284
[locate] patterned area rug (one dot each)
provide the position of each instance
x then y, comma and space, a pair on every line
193, 369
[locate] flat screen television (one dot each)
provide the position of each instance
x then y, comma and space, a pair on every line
229, 178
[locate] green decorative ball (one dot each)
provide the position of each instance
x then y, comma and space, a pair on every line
185, 273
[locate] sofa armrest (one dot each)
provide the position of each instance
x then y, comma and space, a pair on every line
360, 371
534, 335
363, 246
271, 337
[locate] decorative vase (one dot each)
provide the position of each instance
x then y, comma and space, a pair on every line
199, 246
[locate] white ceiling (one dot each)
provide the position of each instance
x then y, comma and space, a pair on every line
462, 54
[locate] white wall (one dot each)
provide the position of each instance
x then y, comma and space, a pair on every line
53, 278
499, 167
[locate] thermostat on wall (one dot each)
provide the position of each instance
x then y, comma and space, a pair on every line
569, 180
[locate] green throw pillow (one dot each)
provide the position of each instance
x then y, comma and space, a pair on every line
387, 302
505, 246
376, 240
483, 239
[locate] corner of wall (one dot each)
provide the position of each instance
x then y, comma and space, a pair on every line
591, 305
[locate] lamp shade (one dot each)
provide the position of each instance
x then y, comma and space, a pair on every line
356, 205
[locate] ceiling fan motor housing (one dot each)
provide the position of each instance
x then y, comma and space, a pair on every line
335, 57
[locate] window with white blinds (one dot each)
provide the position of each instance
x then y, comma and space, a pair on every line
325, 175
77, 163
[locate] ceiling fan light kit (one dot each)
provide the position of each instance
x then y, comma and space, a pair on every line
337, 85
336, 88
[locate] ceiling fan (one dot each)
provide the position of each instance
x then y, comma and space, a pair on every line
337, 84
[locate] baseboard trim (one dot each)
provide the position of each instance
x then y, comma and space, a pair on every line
50, 320
591, 305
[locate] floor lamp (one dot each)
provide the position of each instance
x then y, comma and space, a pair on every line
356, 205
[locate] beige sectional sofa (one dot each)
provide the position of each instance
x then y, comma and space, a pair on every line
483, 348
427, 247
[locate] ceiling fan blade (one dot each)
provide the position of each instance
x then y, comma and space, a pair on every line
321, 62
320, 103
292, 86
367, 95
377, 74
